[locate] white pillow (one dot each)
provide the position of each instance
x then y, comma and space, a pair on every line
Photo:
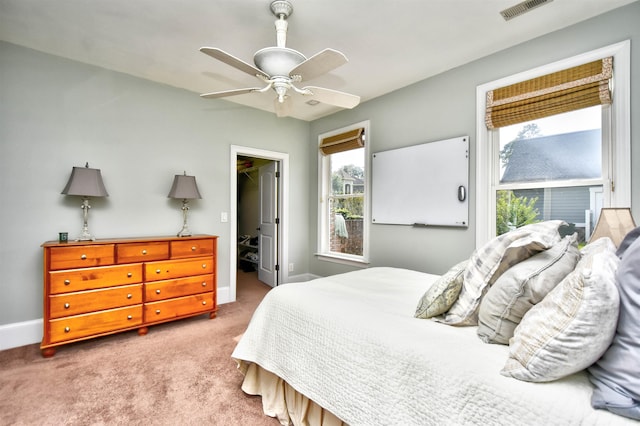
573, 325
443, 293
489, 262
523, 286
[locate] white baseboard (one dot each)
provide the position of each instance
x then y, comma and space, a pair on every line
222, 295
301, 278
20, 334
30, 332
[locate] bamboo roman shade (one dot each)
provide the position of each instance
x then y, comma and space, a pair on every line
567, 90
353, 139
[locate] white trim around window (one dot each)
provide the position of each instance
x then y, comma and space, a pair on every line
323, 252
620, 134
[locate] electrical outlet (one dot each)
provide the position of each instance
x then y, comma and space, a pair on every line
224, 217
291, 267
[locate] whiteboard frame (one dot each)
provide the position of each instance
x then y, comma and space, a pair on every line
419, 185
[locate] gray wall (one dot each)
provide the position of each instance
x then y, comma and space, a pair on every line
444, 107
56, 114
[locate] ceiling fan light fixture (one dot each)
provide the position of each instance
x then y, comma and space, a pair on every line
279, 68
278, 61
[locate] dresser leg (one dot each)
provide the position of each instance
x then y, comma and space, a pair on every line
143, 331
212, 314
48, 352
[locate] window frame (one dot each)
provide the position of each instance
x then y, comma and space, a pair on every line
324, 187
617, 132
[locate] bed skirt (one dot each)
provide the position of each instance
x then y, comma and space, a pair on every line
282, 401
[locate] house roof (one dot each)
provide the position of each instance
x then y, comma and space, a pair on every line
565, 156
389, 46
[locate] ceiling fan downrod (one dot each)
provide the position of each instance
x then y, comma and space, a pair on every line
282, 9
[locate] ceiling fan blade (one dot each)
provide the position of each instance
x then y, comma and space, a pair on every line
226, 93
231, 60
283, 109
332, 97
319, 64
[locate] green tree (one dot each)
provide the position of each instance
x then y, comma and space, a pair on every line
513, 212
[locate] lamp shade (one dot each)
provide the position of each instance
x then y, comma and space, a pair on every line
614, 223
184, 187
86, 182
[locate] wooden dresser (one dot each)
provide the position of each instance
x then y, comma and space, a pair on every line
95, 288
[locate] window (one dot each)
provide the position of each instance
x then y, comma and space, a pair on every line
343, 212
565, 163
552, 168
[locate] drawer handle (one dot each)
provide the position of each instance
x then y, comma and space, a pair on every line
204, 302
129, 296
158, 271
204, 283
67, 282
129, 317
158, 291
67, 306
129, 274
83, 257
204, 266
157, 311
193, 248
67, 329
144, 252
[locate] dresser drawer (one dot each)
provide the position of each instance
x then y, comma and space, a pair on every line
66, 304
92, 278
142, 252
163, 270
81, 256
190, 248
167, 289
179, 307
78, 326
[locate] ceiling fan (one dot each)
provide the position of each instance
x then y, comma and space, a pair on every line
280, 67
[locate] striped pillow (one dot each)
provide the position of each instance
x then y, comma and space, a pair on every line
490, 261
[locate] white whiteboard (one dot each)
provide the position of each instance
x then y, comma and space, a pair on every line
422, 185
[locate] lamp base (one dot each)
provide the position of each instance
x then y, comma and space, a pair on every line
184, 232
85, 236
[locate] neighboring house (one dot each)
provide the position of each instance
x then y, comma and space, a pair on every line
559, 157
350, 184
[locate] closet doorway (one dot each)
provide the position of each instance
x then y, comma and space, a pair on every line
259, 207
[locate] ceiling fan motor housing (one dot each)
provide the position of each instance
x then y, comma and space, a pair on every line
278, 61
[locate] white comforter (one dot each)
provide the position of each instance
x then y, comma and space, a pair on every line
350, 343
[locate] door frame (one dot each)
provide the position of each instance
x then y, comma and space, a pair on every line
283, 208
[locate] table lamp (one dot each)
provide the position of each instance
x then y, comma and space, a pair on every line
615, 223
85, 182
184, 187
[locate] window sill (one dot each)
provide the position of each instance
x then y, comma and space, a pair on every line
343, 259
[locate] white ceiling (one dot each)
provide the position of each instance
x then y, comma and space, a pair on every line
390, 43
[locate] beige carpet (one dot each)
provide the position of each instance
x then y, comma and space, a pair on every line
180, 373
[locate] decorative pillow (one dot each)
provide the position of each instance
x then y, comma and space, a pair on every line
443, 293
489, 262
616, 374
573, 325
523, 286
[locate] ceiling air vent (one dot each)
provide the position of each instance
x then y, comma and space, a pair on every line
522, 8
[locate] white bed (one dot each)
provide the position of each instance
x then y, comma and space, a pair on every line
347, 348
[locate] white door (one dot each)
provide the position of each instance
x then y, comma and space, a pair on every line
268, 231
